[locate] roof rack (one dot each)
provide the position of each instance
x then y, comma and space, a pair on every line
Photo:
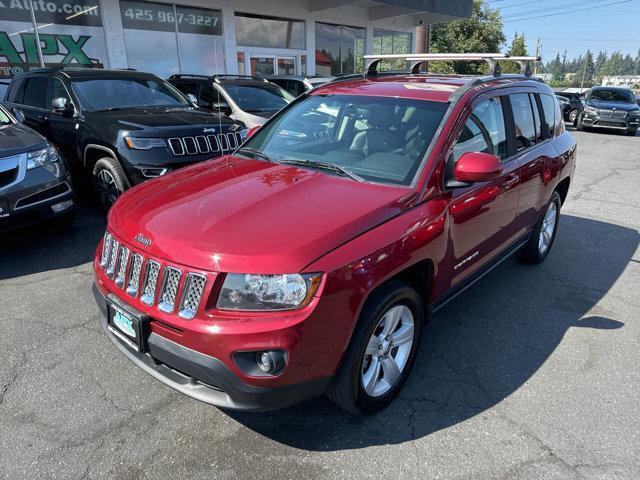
417, 59
216, 77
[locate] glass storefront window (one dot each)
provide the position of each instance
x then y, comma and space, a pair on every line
261, 31
165, 39
70, 33
386, 42
339, 49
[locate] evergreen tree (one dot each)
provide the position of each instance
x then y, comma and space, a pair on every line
518, 48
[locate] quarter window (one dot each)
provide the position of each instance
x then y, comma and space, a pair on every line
549, 109
484, 131
523, 120
536, 117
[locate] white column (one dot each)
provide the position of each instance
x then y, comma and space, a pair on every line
368, 44
229, 32
310, 31
113, 34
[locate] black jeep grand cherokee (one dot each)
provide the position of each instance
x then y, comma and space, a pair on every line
120, 126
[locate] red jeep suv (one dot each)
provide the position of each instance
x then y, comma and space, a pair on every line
307, 262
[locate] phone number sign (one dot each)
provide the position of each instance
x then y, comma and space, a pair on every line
163, 18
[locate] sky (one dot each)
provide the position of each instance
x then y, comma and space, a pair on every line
573, 25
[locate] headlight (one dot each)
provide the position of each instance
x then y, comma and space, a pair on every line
593, 111
267, 292
140, 143
39, 158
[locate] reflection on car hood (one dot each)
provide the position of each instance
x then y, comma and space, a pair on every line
17, 138
141, 118
240, 215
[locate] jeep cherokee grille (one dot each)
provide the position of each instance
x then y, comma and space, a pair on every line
220, 143
136, 274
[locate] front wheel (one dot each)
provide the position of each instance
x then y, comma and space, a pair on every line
109, 182
544, 233
382, 350
632, 132
572, 116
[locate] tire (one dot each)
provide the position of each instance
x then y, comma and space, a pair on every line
109, 182
539, 245
347, 389
573, 114
632, 132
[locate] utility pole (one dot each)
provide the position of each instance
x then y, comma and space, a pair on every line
423, 40
584, 73
538, 50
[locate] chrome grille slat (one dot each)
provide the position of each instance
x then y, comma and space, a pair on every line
112, 257
224, 142
190, 145
213, 143
169, 291
122, 266
150, 282
191, 295
135, 269
231, 138
106, 249
612, 113
176, 145
203, 145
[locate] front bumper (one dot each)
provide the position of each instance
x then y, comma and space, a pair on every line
592, 120
31, 199
202, 376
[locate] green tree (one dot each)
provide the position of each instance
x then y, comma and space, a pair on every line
601, 61
556, 69
481, 32
518, 48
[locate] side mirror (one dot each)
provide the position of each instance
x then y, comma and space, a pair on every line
62, 106
476, 167
193, 98
19, 115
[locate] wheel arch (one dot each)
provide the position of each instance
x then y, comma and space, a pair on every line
563, 188
95, 151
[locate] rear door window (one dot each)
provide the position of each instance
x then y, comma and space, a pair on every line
484, 131
34, 92
524, 121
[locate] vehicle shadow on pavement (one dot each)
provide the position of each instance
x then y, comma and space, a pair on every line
43, 247
479, 349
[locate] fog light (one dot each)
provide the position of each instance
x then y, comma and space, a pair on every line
58, 207
270, 362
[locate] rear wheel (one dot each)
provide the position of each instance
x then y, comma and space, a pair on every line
109, 182
382, 350
544, 233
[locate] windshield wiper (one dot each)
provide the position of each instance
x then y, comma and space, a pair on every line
331, 167
257, 153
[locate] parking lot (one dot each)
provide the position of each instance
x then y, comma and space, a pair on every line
532, 374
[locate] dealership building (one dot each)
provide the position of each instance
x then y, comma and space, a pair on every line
258, 37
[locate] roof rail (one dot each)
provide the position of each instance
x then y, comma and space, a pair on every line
416, 59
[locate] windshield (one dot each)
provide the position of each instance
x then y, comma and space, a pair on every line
97, 94
378, 139
4, 118
259, 98
622, 96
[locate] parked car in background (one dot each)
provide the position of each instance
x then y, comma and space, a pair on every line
609, 107
307, 264
296, 85
34, 183
565, 106
575, 99
250, 100
119, 126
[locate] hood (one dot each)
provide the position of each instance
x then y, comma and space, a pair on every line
251, 216
17, 138
626, 107
262, 114
167, 120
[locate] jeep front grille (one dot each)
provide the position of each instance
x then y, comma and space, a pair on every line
150, 282
170, 284
135, 269
142, 276
122, 266
191, 295
220, 143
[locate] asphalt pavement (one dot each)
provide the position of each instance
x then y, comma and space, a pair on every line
534, 373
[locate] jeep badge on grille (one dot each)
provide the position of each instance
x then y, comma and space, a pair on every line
208, 130
143, 240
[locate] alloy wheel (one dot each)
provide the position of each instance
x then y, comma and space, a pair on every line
106, 188
548, 227
388, 351
572, 115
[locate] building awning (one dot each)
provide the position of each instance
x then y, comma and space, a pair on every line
425, 11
